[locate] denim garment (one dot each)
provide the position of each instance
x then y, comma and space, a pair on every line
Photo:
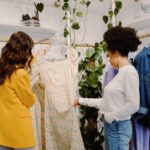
142, 64
118, 135
141, 132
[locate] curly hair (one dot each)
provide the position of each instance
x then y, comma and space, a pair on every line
122, 39
15, 54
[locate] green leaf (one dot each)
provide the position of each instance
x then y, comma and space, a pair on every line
96, 44
90, 69
104, 47
40, 7
88, 3
109, 25
82, 3
89, 52
81, 92
93, 80
66, 32
100, 69
105, 19
75, 26
118, 4
97, 55
82, 65
120, 23
116, 11
64, 18
74, 10
65, 6
110, 13
98, 49
83, 83
66, 0
79, 14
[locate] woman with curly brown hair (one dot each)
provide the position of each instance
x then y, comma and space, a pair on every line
16, 132
121, 94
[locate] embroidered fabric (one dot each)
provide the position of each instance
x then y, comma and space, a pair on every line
60, 126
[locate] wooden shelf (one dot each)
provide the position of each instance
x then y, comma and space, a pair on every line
36, 33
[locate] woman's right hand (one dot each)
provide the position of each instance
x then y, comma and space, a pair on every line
76, 103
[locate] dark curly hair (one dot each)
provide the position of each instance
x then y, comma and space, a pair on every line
122, 39
15, 54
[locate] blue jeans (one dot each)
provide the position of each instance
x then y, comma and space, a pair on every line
9, 148
118, 135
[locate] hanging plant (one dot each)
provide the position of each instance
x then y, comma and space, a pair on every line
33, 21
90, 69
72, 14
38, 9
108, 18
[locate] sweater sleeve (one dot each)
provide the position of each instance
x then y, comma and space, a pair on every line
21, 84
132, 98
91, 102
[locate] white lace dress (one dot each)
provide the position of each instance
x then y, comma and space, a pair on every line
61, 126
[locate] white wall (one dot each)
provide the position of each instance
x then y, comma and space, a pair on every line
11, 12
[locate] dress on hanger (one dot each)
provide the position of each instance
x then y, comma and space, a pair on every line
61, 126
38, 108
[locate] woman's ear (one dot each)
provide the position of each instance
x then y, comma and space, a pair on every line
107, 54
116, 53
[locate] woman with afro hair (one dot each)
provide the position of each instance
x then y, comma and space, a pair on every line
121, 95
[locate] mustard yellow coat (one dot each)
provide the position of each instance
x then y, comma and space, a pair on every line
15, 119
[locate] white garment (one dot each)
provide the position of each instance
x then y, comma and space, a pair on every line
36, 109
61, 126
121, 96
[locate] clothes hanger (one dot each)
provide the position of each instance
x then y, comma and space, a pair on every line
58, 49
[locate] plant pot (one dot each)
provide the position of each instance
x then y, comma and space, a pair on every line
31, 22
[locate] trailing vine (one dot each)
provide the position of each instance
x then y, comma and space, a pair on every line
73, 11
90, 68
108, 18
90, 86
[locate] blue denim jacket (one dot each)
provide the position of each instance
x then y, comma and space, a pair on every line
142, 64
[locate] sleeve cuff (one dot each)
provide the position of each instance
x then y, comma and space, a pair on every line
108, 118
81, 101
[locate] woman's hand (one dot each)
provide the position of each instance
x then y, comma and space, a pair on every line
76, 103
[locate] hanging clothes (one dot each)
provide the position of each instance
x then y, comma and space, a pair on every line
140, 136
142, 64
141, 120
39, 89
109, 74
61, 126
38, 108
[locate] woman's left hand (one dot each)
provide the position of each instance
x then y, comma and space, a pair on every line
76, 103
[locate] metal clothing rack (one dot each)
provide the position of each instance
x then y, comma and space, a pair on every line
42, 41
90, 45
144, 35
46, 41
